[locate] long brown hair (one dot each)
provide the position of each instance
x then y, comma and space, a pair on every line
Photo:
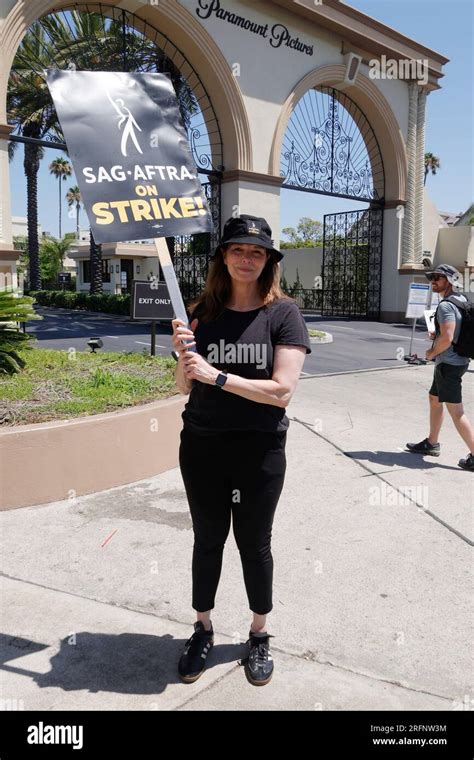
218, 289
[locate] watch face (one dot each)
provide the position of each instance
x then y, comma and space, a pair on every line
220, 379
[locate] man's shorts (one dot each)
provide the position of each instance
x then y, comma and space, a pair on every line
447, 382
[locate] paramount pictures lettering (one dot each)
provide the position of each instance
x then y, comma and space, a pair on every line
277, 35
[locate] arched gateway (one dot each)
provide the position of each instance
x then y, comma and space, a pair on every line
260, 128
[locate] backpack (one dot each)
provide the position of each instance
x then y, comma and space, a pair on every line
464, 345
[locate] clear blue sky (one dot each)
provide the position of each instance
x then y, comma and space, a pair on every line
443, 26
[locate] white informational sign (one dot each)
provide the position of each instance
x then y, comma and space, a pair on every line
429, 313
417, 299
429, 319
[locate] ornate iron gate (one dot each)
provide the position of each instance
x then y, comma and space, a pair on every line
352, 262
190, 253
330, 148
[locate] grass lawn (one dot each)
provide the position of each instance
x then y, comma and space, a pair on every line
62, 384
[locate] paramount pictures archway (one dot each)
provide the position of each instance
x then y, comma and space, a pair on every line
329, 148
79, 35
252, 146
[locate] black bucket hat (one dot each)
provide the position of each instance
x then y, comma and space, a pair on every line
248, 229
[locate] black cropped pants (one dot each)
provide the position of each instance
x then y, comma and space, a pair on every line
238, 474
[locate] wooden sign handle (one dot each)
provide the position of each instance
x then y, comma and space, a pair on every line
171, 282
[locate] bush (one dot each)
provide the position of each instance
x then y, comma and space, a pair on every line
65, 299
13, 310
108, 303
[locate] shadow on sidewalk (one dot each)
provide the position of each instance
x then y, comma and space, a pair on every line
127, 663
405, 460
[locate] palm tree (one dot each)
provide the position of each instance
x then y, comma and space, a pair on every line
31, 163
61, 168
73, 195
432, 163
32, 114
52, 253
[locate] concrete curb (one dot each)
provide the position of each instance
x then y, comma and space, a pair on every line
63, 459
328, 338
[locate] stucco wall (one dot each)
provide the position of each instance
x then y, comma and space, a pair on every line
455, 246
252, 86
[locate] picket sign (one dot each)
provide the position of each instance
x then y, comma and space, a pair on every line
132, 160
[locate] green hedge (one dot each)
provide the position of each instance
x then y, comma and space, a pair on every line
105, 302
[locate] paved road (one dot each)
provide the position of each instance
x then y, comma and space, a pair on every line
357, 344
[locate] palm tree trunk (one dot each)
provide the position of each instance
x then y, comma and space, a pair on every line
59, 180
31, 167
78, 208
96, 266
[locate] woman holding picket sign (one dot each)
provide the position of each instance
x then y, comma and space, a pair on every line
250, 343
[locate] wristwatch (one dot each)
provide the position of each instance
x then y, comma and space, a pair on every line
221, 378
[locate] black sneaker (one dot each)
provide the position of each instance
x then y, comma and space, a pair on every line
193, 660
259, 662
424, 447
467, 463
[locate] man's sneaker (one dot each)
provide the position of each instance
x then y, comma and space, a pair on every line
193, 660
259, 662
467, 463
424, 447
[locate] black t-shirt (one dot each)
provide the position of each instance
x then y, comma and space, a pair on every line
242, 343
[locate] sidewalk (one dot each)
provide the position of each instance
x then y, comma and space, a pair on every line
372, 589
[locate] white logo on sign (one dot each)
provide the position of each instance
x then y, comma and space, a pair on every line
125, 117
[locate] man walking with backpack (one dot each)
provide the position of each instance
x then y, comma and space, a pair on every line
451, 351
